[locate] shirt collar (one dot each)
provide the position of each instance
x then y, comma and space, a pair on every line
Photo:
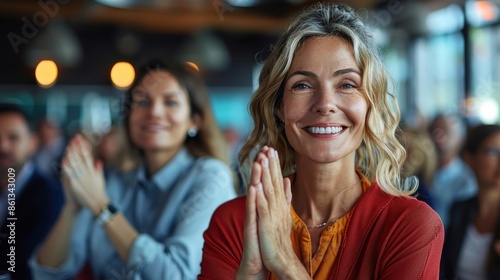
25, 174
452, 168
168, 173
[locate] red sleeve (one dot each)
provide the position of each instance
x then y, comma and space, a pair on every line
413, 246
223, 245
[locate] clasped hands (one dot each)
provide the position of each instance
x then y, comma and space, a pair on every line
83, 180
268, 223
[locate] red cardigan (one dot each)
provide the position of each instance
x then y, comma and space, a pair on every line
387, 237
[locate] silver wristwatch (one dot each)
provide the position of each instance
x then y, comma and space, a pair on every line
107, 212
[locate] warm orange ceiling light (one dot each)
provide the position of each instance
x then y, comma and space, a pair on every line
122, 74
46, 73
192, 64
486, 10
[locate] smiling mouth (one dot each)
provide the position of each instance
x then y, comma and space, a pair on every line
325, 130
153, 128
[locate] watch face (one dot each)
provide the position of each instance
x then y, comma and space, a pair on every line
112, 209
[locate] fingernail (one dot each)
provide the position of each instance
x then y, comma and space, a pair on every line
275, 153
259, 187
265, 162
271, 153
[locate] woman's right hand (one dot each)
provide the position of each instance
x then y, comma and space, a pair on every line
252, 266
71, 203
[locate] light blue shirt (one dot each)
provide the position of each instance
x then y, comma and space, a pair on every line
171, 211
452, 183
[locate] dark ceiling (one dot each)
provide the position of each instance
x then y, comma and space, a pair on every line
86, 37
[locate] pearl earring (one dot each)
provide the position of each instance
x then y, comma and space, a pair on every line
192, 131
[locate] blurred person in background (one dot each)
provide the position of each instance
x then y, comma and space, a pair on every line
51, 144
421, 161
323, 119
469, 248
453, 181
147, 223
37, 200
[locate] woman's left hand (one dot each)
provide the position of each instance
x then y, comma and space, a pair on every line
86, 178
273, 212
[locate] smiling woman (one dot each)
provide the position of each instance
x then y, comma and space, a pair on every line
324, 120
147, 223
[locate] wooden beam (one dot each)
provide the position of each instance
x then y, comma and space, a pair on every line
188, 21
214, 15
63, 8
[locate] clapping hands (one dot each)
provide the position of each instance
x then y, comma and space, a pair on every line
83, 179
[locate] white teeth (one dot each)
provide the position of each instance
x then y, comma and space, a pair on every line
325, 130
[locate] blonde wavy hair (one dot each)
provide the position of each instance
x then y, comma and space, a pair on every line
380, 155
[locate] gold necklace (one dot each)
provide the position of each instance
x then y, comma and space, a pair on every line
324, 224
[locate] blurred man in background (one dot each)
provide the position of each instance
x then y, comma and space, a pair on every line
51, 148
453, 181
29, 201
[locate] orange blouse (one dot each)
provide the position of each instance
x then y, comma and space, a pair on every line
319, 265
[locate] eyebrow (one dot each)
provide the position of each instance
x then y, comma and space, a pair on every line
345, 71
164, 94
335, 74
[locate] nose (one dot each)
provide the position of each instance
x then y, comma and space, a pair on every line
156, 109
325, 101
5, 147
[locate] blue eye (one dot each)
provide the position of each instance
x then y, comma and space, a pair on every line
301, 87
171, 103
492, 152
143, 102
348, 86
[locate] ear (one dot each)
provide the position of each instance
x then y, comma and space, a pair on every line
279, 113
197, 121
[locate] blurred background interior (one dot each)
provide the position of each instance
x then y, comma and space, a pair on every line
71, 60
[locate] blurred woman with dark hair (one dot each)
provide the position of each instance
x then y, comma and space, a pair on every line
468, 251
147, 223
